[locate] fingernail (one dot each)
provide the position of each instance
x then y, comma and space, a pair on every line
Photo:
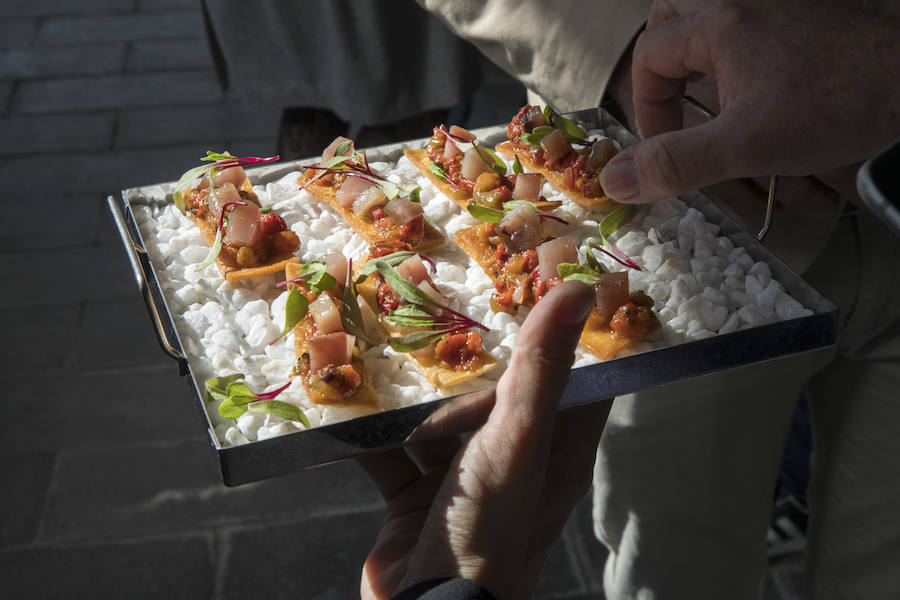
576, 304
618, 179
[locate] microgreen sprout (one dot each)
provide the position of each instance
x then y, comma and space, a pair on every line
488, 156
358, 166
235, 398
416, 313
217, 161
608, 226
493, 215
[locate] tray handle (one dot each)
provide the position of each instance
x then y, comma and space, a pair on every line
135, 251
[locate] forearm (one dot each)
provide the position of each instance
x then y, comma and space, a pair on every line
565, 50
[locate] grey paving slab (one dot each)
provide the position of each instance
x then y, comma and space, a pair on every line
115, 91
43, 8
187, 124
6, 88
157, 5
317, 558
116, 334
62, 61
16, 32
56, 133
175, 486
52, 278
18, 231
120, 28
167, 55
147, 569
103, 173
27, 478
65, 409
36, 339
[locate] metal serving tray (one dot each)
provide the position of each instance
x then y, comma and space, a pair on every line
330, 443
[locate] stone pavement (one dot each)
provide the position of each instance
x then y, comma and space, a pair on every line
110, 488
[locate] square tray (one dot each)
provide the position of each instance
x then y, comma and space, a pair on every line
455, 414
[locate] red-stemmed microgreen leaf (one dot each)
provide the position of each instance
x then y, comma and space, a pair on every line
618, 256
358, 166
237, 398
274, 393
416, 340
391, 259
215, 387
440, 173
537, 134
507, 206
219, 161
517, 166
409, 292
294, 310
491, 159
608, 226
315, 275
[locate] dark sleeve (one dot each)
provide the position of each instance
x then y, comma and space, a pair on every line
445, 589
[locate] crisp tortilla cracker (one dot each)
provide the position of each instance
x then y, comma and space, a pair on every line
597, 338
229, 272
419, 158
366, 229
434, 370
555, 178
365, 395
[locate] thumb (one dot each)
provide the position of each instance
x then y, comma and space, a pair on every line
670, 163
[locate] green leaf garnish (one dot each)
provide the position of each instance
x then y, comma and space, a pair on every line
351, 316
614, 220
534, 138
294, 310
285, 410
593, 262
229, 410
416, 340
410, 292
576, 272
414, 194
342, 148
570, 129
264, 210
410, 315
437, 171
213, 252
317, 277
392, 259
491, 159
215, 387
484, 213
239, 393
517, 166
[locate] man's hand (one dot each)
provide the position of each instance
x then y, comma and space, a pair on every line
803, 87
491, 508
